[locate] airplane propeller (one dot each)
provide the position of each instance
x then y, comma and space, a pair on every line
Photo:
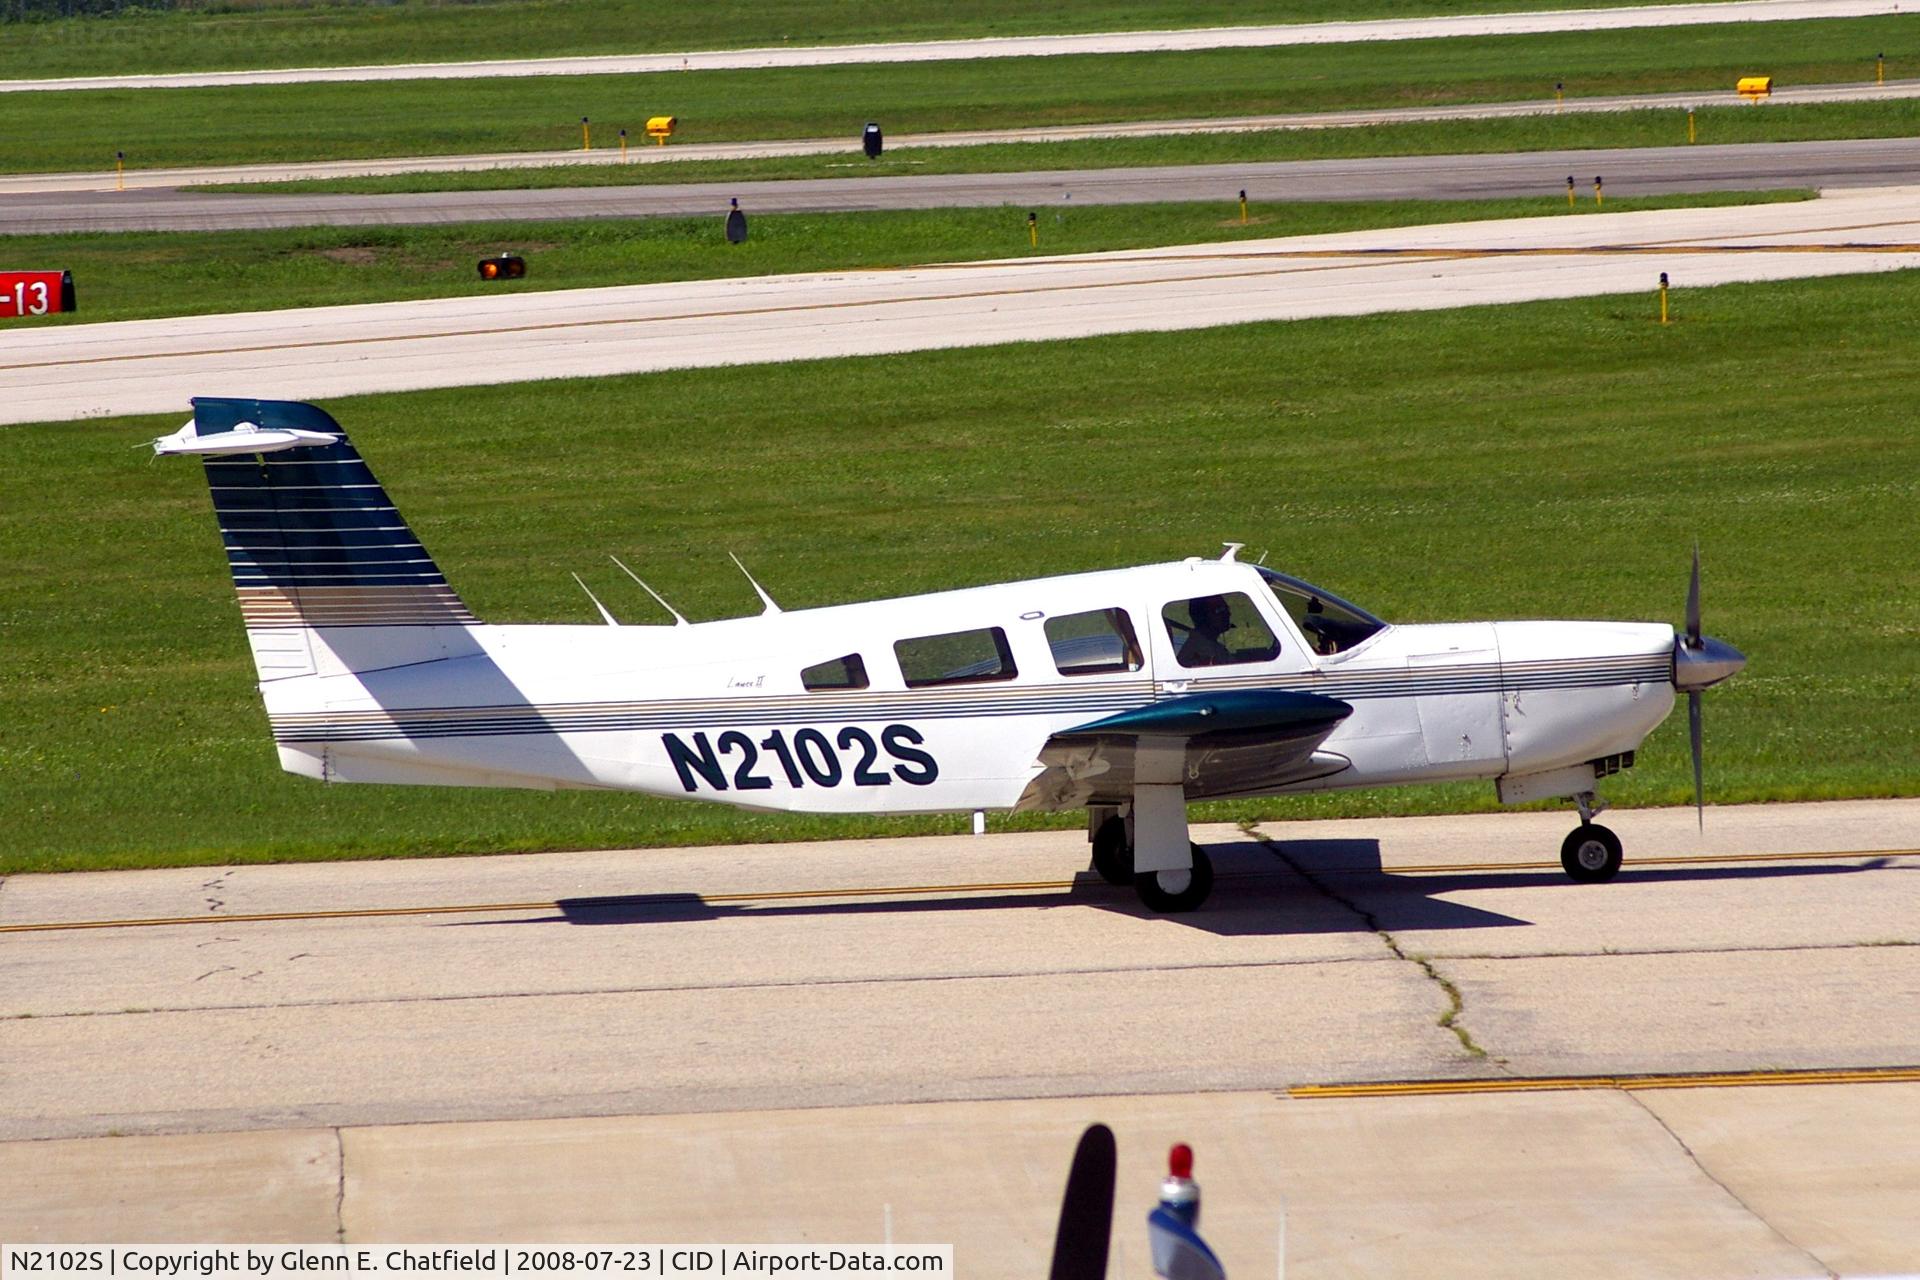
1700, 661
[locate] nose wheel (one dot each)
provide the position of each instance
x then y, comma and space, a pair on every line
1591, 853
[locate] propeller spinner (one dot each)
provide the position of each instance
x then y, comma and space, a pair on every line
1699, 662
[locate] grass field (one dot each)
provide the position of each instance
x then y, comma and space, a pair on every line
157, 128
1816, 122
321, 34
1543, 460
137, 275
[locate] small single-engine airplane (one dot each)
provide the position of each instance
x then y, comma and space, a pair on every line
1128, 692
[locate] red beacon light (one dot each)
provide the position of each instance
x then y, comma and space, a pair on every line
1180, 1194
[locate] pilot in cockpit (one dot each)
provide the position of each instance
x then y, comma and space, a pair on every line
1212, 618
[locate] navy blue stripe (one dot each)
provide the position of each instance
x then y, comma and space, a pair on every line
302, 520
390, 553
341, 578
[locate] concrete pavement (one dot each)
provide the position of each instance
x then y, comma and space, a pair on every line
694, 980
620, 1052
1761, 1182
1839, 164
156, 366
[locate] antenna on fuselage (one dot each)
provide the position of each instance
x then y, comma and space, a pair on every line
758, 590
678, 621
611, 620
1232, 551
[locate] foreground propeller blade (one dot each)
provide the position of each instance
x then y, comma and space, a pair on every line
1693, 735
1693, 602
1086, 1210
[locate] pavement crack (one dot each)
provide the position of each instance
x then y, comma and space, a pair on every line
1451, 1019
225, 968
340, 1186
1731, 1194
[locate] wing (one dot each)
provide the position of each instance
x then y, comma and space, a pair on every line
1236, 742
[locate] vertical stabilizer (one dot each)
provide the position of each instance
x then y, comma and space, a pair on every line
312, 538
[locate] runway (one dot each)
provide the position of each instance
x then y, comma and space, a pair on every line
1834, 165
1601, 19
154, 366
606, 157
1718, 1046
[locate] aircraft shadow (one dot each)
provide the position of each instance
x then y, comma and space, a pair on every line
1258, 892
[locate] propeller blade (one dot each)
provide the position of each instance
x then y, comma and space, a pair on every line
1693, 735
1086, 1210
1693, 602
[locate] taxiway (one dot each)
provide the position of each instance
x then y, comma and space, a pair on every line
27, 209
156, 366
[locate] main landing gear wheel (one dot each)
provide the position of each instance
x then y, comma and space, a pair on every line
1169, 892
1591, 853
1112, 852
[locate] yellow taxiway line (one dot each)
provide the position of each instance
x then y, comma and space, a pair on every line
1548, 1084
1678, 859
669, 899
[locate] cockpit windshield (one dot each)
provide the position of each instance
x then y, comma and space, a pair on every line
1330, 624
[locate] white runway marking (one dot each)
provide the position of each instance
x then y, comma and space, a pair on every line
153, 366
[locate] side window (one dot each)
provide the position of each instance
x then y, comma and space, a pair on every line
959, 657
1218, 631
836, 673
1087, 644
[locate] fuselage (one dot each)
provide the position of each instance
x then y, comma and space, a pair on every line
943, 702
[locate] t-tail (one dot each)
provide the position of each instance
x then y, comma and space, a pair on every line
314, 543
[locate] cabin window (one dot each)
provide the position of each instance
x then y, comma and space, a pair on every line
836, 673
1086, 644
959, 657
1219, 631
1330, 624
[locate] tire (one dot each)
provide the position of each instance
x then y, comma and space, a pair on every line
1591, 854
1199, 885
1112, 853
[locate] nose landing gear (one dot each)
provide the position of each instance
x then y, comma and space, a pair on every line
1591, 853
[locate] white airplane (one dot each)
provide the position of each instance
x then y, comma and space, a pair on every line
1128, 692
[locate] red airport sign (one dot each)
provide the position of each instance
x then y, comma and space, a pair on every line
35, 293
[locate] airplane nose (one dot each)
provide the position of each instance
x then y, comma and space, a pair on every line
1709, 664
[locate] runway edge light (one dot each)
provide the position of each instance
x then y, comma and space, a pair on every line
505, 266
